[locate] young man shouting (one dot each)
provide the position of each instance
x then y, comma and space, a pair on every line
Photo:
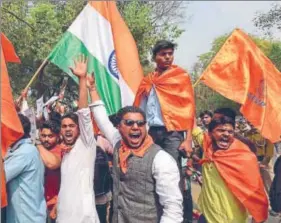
76, 200
145, 178
232, 185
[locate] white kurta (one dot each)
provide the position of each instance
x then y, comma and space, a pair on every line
76, 200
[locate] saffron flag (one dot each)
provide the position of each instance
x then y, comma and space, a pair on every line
100, 33
11, 128
241, 72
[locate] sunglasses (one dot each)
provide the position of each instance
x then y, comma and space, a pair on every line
129, 122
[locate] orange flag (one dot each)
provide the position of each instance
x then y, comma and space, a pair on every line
11, 128
241, 72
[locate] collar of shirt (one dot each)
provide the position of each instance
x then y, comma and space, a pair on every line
19, 143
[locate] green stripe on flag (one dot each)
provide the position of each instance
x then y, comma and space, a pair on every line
70, 47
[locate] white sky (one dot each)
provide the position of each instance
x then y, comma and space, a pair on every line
211, 19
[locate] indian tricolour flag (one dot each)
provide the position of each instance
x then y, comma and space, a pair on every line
100, 33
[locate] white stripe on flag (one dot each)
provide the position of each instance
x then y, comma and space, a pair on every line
95, 32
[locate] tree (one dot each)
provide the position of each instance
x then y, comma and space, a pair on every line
268, 21
207, 98
150, 21
35, 26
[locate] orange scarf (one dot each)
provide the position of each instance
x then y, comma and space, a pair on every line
239, 169
3, 187
175, 94
125, 152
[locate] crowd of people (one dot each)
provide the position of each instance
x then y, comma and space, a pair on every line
136, 165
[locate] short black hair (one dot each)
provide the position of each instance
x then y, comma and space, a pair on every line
26, 125
53, 125
162, 44
128, 109
114, 119
221, 120
206, 112
55, 116
72, 116
226, 112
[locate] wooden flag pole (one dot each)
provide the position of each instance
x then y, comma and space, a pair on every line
36, 74
197, 81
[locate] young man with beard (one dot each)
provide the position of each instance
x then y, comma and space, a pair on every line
145, 178
51, 153
76, 200
232, 185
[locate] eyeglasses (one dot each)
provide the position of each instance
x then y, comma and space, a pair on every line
129, 122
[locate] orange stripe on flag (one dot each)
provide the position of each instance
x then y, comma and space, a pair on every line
11, 128
241, 72
124, 44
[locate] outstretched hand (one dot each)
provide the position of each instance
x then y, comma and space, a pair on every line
80, 66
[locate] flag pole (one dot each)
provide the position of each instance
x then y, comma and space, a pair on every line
36, 74
197, 81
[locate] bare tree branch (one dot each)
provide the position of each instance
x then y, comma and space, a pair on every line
11, 13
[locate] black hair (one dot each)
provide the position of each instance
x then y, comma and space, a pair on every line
128, 109
53, 125
114, 119
55, 116
162, 44
26, 125
72, 116
226, 112
206, 112
220, 120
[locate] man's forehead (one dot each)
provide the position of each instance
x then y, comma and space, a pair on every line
224, 126
133, 115
46, 131
67, 121
166, 50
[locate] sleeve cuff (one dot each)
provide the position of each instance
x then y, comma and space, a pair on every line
96, 103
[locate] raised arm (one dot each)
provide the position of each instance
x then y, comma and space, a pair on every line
80, 71
98, 109
84, 114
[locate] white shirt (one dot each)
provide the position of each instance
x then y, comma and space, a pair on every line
76, 199
164, 170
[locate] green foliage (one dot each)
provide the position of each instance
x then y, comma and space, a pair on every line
35, 26
205, 97
150, 21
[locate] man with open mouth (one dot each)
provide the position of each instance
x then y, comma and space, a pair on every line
232, 184
145, 177
76, 199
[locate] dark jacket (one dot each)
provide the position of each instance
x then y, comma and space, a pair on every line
275, 190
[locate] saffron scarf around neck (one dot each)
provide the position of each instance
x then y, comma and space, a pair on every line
125, 152
175, 94
239, 169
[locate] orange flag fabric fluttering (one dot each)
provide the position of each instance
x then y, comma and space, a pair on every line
11, 128
241, 72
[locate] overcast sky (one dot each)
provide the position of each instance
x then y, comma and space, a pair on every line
210, 19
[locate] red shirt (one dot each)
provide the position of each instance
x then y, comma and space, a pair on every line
52, 181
